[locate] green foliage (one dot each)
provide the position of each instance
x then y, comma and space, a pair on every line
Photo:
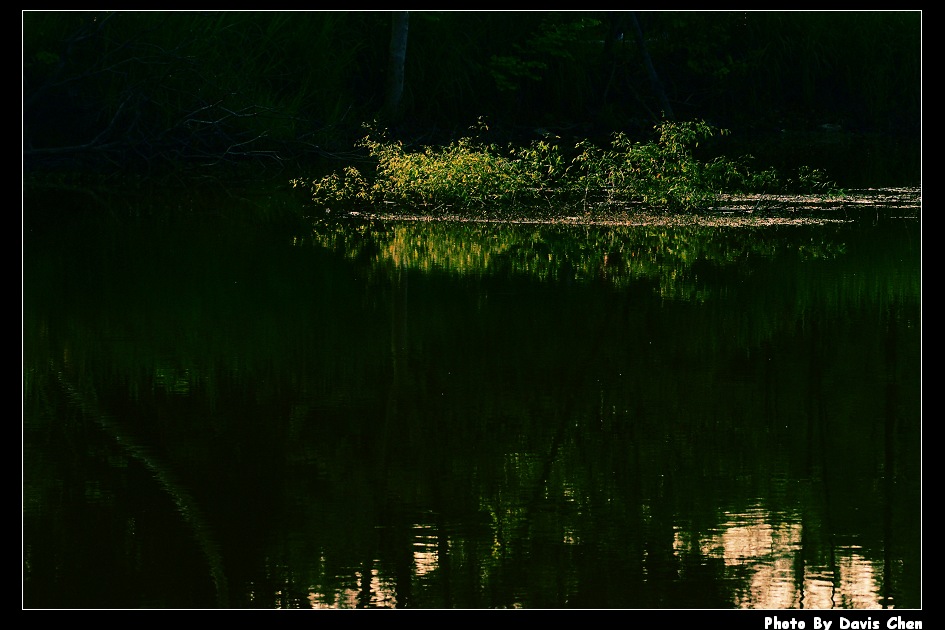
663, 174
552, 41
188, 87
106, 91
464, 173
862, 65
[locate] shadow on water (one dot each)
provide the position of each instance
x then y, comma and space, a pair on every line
365, 413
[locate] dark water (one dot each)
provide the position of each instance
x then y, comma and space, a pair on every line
219, 413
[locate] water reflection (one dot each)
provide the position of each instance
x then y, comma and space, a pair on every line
766, 555
677, 255
432, 415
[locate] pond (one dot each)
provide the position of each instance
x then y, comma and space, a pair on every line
223, 412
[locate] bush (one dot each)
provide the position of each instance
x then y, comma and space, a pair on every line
662, 174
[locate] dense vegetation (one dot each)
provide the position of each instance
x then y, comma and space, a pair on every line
276, 93
467, 175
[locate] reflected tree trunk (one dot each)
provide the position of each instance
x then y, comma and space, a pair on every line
366, 591
889, 476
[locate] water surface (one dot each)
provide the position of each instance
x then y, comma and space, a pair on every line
219, 412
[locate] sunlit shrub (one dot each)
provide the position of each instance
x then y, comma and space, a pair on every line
661, 174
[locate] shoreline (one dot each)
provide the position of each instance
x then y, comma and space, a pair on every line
732, 211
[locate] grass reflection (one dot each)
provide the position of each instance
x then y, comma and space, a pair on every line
618, 254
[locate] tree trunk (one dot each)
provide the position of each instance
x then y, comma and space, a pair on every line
395, 66
650, 70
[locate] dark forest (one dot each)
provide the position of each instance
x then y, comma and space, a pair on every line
148, 93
